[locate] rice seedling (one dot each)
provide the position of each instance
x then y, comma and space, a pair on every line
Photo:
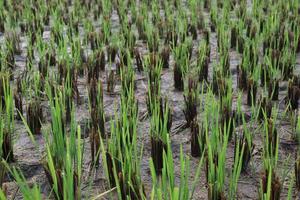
35, 116
227, 118
121, 157
203, 60
153, 68
297, 168
180, 67
273, 88
127, 78
70, 91
99, 57
191, 98
97, 119
112, 49
165, 56
243, 148
167, 181
152, 38
294, 115
3, 150
270, 185
251, 92
63, 161
28, 192
216, 151
44, 62
18, 98
293, 94
12, 41
159, 132
78, 55
297, 160
9, 59
111, 81
272, 136
234, 35
93, 71
2, 19
198, 132
242, 73
238, 167
215, 171
197, 138
138, 59
7, 119
244, 145
56, 57
265, 107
